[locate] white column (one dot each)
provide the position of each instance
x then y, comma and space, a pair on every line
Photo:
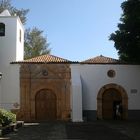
0, 92
76, 96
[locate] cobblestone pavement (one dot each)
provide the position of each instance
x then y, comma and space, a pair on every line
97, 130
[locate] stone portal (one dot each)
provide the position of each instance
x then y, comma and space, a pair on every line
108, 96
45, 92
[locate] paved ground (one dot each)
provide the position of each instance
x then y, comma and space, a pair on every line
97, 130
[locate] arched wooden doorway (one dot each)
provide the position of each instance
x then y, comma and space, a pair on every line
45, 103
108, 96
111, 98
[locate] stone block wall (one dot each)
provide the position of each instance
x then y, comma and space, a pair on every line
37, 77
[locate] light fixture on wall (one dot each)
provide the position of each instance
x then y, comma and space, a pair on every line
0, 75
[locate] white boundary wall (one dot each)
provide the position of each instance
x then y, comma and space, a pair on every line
94, 76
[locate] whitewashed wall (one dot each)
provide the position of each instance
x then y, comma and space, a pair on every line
19, 44
0, 93
76, 96
10, 87
94, 77
11, 49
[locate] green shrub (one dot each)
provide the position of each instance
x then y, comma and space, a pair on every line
6, 117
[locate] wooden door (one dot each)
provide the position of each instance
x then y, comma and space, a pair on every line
110, 97
45, 105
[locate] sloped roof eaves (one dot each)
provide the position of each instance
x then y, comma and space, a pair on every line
104, 63
100, 60
75, 62
121, 63
44, 59
69, 62
51, 59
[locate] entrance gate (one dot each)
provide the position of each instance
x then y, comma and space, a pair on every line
45, 103
111, 98
110, 95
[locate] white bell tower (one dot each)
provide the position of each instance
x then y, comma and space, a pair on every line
11, 49
11, 38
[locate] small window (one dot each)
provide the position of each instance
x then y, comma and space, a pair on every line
20, 35
2, 29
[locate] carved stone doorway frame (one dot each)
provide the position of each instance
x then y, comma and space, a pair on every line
124, 97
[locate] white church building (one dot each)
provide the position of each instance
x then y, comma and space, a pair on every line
52, 88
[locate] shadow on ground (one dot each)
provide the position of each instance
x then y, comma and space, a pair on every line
97, 130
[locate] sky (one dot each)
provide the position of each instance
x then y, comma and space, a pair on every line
75, 29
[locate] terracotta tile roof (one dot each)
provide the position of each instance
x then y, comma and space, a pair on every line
101, 60
44, 59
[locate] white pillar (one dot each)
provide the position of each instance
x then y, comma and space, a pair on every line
0, 95
76, 96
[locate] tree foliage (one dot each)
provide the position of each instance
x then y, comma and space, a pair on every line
6, 4
127, 37
35, 43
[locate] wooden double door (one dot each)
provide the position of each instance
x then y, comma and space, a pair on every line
110, 99
45, 105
